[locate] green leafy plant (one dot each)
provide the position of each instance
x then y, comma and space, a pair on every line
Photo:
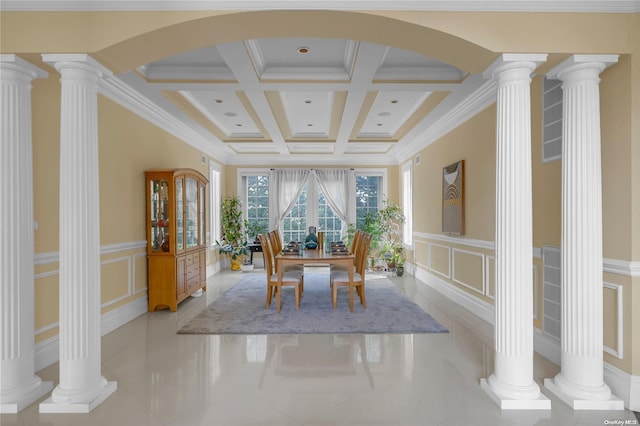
234, 234
255, 228
385, 227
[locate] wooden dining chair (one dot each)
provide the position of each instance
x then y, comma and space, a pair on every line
357, 238
340, 277
276, 244
289, 278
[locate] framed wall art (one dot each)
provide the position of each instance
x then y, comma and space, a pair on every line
453, 199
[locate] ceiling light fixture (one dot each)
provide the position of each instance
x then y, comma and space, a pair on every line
307, 101
303, 50
230, 114
218, 101
394, 101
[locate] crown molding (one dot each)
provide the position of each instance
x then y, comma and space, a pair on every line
482, 94
121, 93
594, 6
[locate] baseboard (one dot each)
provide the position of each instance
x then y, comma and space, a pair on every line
120, 316
624, 385
479, 307
47, 352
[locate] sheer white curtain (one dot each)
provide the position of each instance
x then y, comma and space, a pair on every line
339, 189
285, 186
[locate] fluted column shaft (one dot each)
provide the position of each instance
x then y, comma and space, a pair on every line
19, 386
513, 373
582, 367
80, 371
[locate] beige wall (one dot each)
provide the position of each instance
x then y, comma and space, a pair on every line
128, 145
474, 142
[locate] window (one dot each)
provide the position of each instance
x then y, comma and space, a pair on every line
551, 120
407, 204
311, 208
257, 204
369, 195
214, 215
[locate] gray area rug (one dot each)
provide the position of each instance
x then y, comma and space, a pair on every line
240, 310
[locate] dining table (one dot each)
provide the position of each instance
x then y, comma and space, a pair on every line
315, 257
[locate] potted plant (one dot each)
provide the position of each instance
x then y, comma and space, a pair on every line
399, 264
234, 235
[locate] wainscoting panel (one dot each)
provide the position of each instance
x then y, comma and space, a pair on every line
490, 276
613, 320
440, 260
468, 270
115, 276
139, 273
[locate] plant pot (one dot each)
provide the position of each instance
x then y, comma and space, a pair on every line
236, 264
246, 267
399, 270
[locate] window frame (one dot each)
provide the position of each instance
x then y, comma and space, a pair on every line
215, 199
242, 173
407, 204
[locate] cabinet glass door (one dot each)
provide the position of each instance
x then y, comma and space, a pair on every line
159, 190
192, 212
201, 215
179, 215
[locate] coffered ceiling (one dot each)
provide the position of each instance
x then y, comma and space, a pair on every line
305, 100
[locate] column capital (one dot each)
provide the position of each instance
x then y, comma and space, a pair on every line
11, 62
582, 62
512, 61
77, 61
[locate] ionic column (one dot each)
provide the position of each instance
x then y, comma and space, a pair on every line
19, 386
511, 385
580, 382
82, 386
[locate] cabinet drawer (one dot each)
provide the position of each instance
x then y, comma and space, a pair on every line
193, 284
193, 271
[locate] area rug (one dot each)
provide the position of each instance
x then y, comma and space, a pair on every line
240, 310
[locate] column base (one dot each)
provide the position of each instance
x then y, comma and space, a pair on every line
539, 403
27, 399
611, 403
48, 406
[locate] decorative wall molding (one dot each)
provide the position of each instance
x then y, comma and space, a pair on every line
614, 266
622, 267
605, 6
477, 306
618, 351
481, 244
54, 256
47, 351
430, 263
123, 94
623, 384
482, 290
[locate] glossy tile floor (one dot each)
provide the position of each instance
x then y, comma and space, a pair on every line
423, 379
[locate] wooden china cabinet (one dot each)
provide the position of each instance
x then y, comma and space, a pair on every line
176, 243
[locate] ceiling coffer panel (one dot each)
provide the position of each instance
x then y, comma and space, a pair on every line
305, 97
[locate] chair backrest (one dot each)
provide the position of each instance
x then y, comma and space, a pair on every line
276, 241
267, 253
356, 240
360, 260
